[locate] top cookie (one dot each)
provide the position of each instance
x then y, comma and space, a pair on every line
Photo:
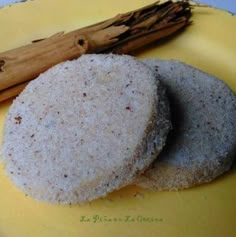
84, 128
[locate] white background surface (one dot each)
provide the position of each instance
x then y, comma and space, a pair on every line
5, 2
229, 5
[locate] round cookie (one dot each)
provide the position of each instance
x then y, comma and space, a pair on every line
202, 144
85, 128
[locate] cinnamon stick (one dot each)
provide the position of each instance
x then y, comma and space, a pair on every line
12, 91
121, 34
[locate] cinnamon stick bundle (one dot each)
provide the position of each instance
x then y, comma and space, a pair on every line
121, 34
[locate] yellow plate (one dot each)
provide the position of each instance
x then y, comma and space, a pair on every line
208, 210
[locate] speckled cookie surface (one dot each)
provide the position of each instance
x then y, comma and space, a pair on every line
202, 144
84, 128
